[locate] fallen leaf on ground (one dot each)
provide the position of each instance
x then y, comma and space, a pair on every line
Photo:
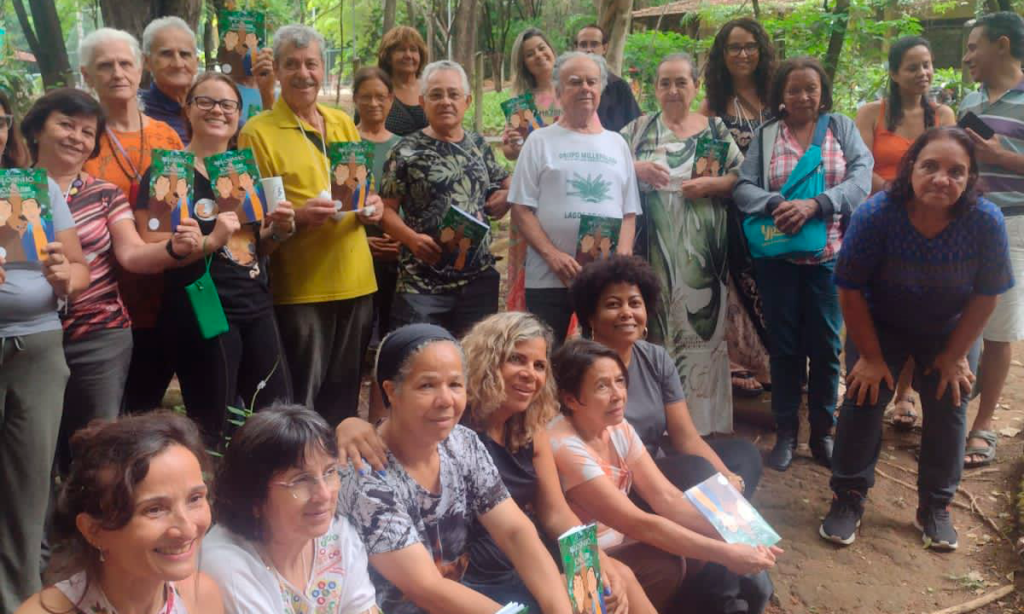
1009, 431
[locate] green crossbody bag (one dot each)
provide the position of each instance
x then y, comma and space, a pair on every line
206, 304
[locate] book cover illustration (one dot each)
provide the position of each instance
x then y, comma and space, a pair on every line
522, 115
460, 236
582, 568
236, 184
171, 183
242, 34
351, 179
26, 220
732, 516
597, 238
710, 156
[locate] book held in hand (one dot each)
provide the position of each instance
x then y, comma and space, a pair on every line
710, 156
242, 34
521, 114
597, 238
171, 184
351, 179
460, 236
732, 516
514, 608
582, 568
26, 218
236, 185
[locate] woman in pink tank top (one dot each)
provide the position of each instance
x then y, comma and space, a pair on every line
889, 126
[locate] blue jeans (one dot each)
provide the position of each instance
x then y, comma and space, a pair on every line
802, 315
943, 425
504, 590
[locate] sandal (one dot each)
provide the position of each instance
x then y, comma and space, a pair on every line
744, 384
987, 453
904, 418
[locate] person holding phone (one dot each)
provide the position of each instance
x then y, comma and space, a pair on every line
995, 48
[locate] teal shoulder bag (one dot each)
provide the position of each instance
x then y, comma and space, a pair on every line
806, 181
202, 294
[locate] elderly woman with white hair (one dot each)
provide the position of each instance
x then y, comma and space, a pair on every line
567, 170
170, 54
428, 172
111, 64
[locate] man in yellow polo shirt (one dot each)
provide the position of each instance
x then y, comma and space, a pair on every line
322, 277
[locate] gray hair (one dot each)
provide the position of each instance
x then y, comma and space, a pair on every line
300, 37
97, 38
572, 55
158, 25
680, 56
438, 66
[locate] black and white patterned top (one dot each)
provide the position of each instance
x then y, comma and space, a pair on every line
392, 511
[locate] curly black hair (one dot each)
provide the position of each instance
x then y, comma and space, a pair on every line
586, 289
902, 189
718, 81
775, 96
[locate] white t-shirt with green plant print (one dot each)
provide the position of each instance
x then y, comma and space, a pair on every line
564, 174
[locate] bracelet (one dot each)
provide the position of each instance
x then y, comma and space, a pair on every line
170, 252
282, 238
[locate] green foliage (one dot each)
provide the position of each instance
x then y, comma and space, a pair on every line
494, 119
17, 83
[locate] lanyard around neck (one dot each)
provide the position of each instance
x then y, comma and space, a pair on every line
323, 146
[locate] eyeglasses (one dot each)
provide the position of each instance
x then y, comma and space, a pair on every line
303, 488
205, 103
6, 121
736, 49
589, 44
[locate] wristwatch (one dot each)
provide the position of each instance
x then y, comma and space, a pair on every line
170, 251
281, 238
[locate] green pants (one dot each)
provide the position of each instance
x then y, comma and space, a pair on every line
32, 379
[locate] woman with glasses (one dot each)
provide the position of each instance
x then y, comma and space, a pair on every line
62, 130
246, 360
415, 515
737, 76
278, 546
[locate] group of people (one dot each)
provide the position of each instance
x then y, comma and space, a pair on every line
490, 433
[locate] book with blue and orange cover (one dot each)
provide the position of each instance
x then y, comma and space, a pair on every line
26, 217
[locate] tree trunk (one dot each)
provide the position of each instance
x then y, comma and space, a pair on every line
497, 58
464, 31
390, 9
835, 42
135, 15
46, 41
757, 9
614, 17
340, 61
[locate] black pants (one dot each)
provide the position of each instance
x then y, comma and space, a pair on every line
552, 306
150, 371
715, 589
214, 373
456, 311
387, 277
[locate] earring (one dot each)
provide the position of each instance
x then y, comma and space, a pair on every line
103, 557
782, 107
644, 335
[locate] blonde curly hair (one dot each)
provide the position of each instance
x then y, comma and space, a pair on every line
488, 345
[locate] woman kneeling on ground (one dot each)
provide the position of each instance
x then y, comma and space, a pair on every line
600, 457
415, 516
130, 520
278, 546
919, 274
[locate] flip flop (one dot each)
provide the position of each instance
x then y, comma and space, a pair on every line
904, 420
987, 453
747, 391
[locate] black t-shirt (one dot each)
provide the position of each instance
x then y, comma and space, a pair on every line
618, 107
238, 271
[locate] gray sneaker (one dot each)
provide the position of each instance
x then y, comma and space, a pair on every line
843, 519
937, 530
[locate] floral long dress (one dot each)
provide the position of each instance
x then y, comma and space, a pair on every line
687, 247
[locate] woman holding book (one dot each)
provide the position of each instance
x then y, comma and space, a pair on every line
684, 235
33, 371
600, 458
278, 546
415, 515
62, 130
889, 126
130, 521
737, 76
246, 360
